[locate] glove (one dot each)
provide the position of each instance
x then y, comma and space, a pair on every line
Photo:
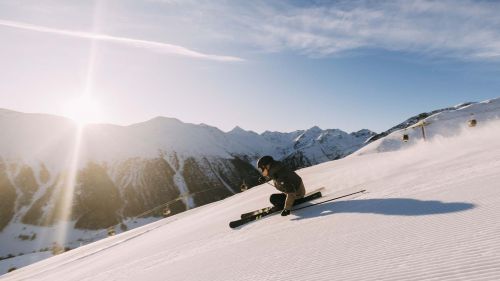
285, 212
261, 180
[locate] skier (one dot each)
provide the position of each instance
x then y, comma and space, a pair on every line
285, 180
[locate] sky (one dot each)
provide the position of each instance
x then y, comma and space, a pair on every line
260, 65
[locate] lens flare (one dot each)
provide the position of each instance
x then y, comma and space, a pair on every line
83, 110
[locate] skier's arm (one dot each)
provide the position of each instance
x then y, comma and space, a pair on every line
263, 179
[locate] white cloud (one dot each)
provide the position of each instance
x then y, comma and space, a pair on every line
150, 45
463, 29
460, 28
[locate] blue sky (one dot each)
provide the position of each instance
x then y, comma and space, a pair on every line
260, 65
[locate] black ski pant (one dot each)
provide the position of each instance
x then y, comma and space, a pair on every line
286, 200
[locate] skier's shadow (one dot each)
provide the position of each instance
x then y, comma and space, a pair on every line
390, 206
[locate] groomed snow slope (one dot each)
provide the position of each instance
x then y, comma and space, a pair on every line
432, 213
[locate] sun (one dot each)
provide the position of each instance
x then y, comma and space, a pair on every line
83, 110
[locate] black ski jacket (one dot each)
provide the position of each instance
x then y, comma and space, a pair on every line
285, 180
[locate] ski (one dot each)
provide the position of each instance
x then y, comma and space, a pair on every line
256, 212
240, 222
298, 201
256, 215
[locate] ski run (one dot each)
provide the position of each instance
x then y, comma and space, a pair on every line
431, 212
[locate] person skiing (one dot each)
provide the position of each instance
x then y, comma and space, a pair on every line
285, 180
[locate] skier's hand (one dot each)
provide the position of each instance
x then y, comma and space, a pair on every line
285, 212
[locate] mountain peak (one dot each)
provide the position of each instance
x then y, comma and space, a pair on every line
159, 121
364, 132
239, 130
165, 119
314, 129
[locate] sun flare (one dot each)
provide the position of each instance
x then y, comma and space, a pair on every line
84, 110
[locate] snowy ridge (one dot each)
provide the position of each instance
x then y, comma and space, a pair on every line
413, 224
446, 123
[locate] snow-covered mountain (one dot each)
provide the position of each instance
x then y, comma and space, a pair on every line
122, 172
316, 146
430, 212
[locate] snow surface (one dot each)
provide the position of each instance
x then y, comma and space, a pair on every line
432, 212
24, 260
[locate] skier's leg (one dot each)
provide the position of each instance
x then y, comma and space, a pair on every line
302, 190
278, 200
291, 197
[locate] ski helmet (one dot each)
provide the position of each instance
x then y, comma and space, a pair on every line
264, 160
